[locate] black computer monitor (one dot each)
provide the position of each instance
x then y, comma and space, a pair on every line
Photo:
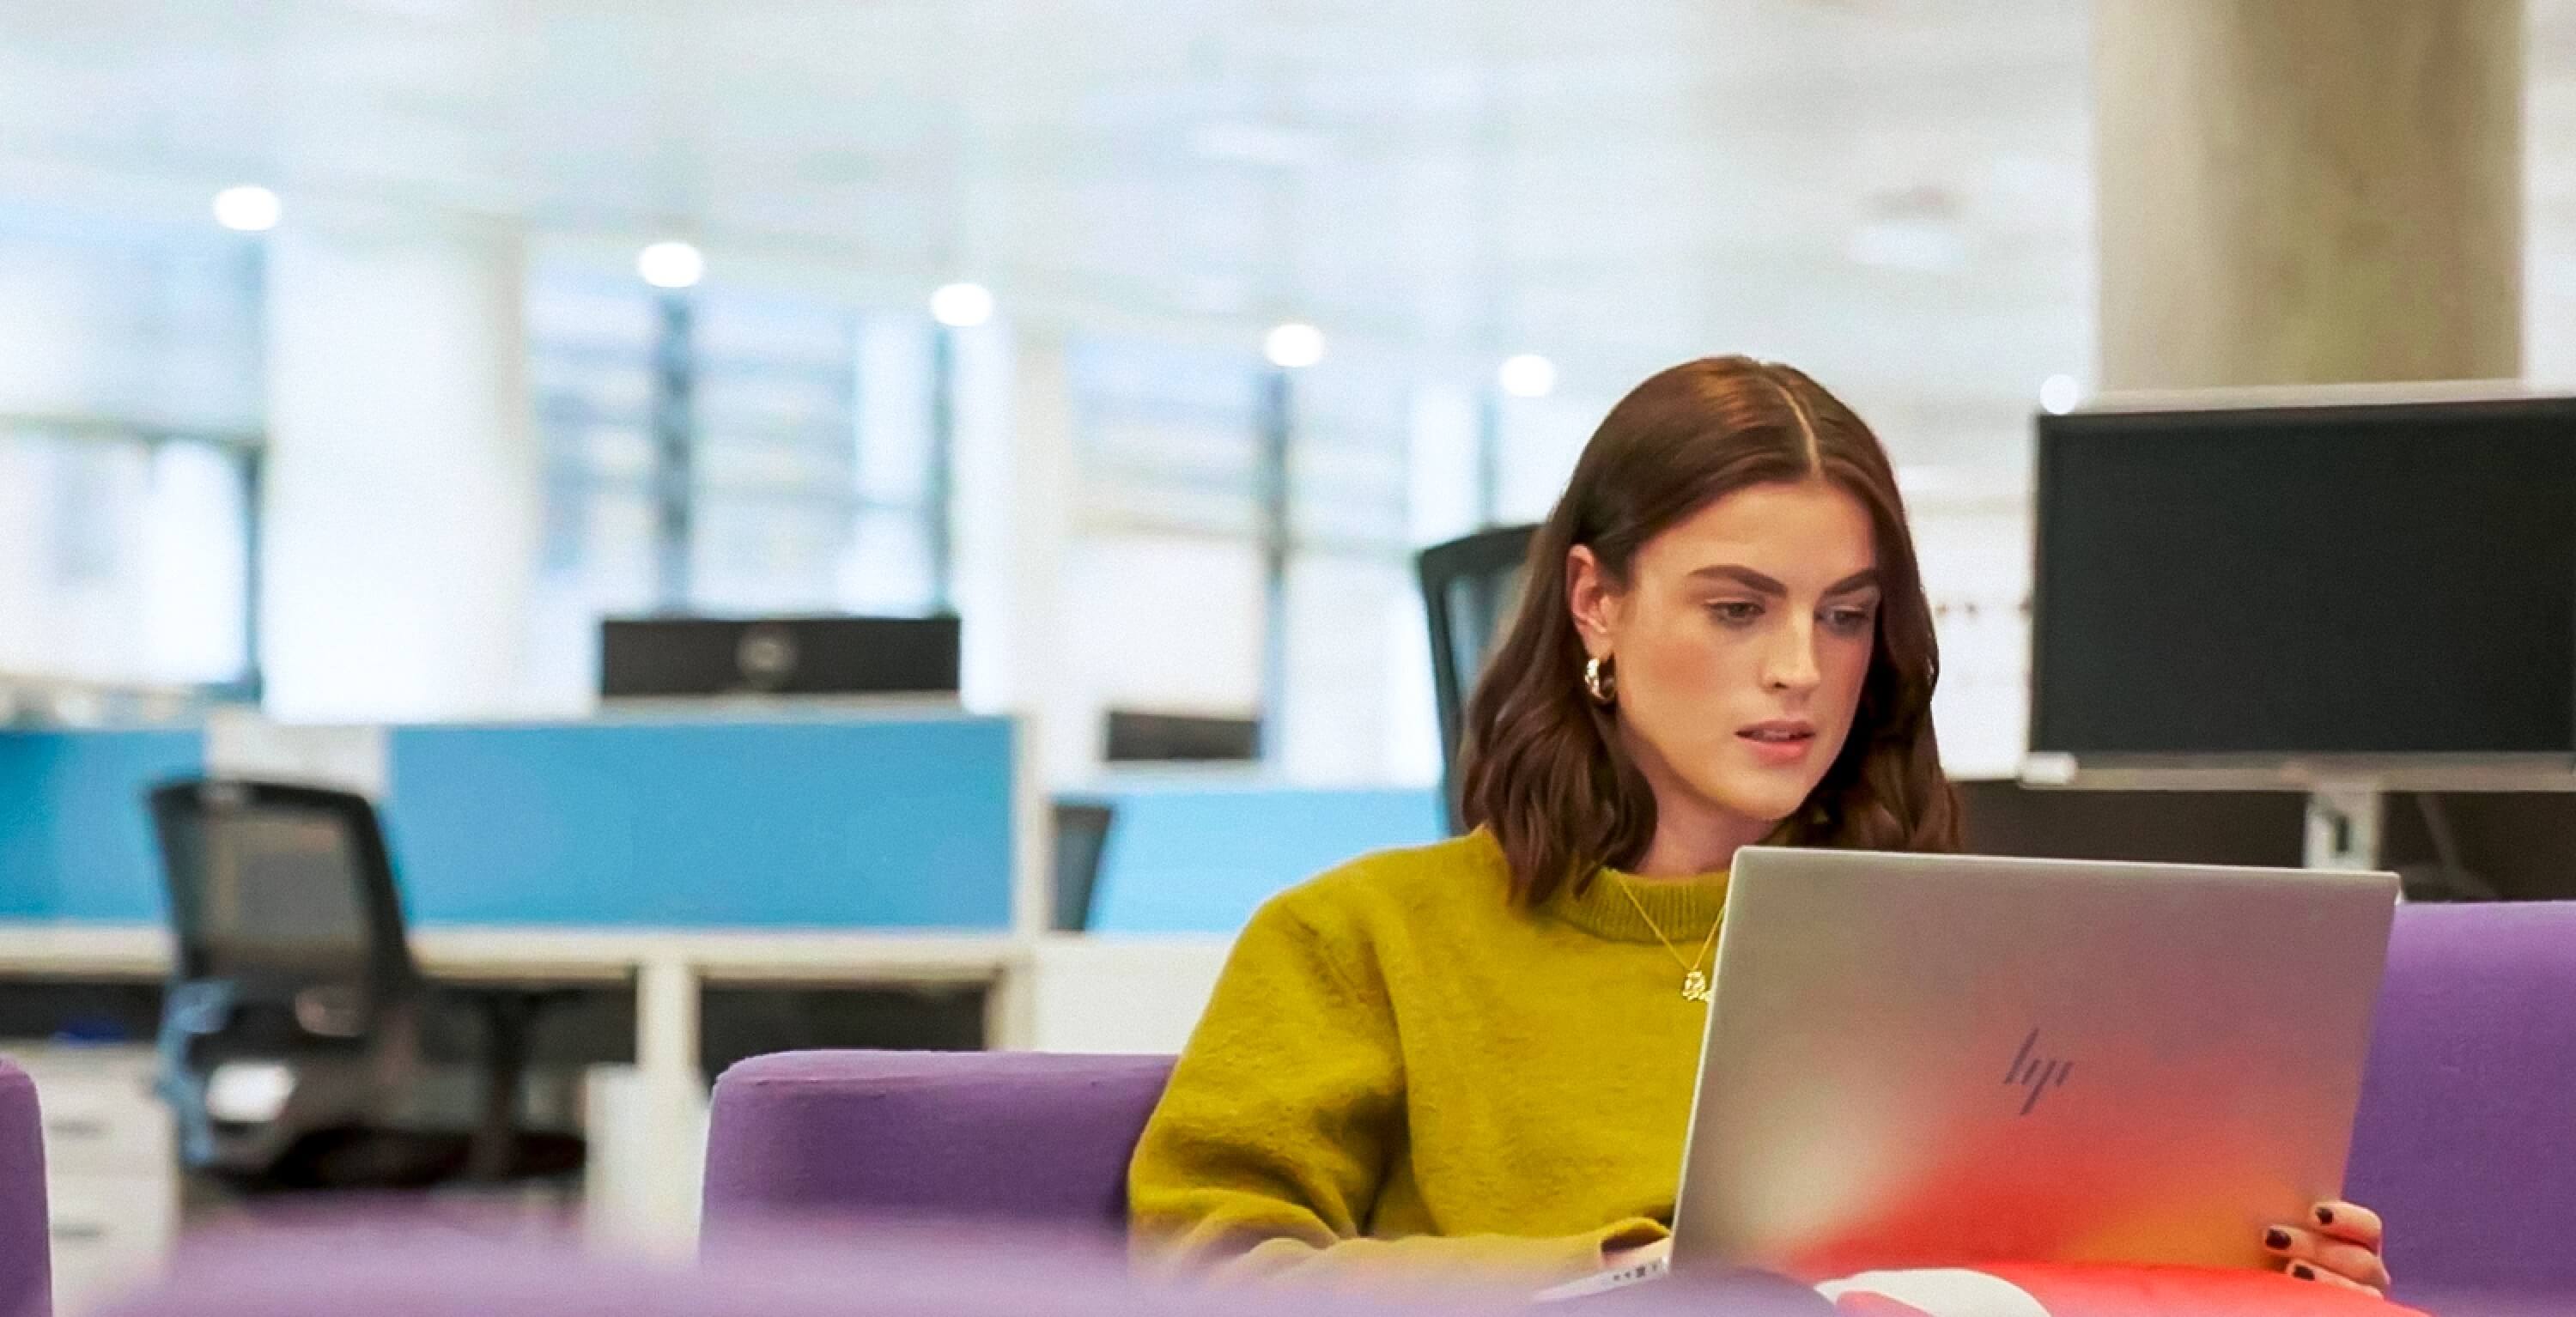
684, 656
2371, 582
2157, 827
1138, 737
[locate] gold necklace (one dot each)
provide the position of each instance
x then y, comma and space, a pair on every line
1694, 980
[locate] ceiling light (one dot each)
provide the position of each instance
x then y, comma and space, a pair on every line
1294, 346
1528, 375
671, 265
2058, 394
962, 305
247, 209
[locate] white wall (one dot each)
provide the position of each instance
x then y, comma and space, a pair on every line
1541, 439
1974, 545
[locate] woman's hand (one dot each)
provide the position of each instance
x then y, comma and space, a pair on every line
2337, 1245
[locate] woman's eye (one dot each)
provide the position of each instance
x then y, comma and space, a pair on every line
1848, 620
1735, 613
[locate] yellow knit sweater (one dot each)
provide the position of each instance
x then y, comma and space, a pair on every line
1402, 1074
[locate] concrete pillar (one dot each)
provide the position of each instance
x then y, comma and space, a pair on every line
2308, 191
404, 490
1012, 502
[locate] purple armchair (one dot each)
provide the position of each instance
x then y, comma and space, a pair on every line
996, 1134
2466, 1138
1034, 1146
26, 1259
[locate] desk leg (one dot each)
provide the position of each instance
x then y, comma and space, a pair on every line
666, 1021
1010, 1012
672, 1115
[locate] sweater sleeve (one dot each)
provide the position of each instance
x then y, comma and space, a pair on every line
1266, 1154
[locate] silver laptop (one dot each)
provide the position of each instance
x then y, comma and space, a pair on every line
1936, 1060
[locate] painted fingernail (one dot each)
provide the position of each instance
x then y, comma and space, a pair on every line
2276, 1237
2303, 1271
2325, 1216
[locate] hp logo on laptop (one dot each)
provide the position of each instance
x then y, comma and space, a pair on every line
2035, 1074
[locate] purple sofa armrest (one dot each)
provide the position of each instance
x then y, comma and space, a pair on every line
26, 1256
1028, 1136
2466, 1137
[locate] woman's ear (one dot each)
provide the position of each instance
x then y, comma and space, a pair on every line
1594, 603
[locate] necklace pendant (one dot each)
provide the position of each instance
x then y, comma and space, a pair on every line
1695, 986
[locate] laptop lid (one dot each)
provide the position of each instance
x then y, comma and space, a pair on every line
1927, 1060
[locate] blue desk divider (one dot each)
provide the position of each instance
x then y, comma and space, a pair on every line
1186, 858
75, 840
893, 823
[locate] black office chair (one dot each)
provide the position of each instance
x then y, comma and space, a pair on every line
291, 950
1469, 589
1081, 836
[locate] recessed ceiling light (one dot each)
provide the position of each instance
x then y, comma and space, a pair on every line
1294, 346
671, 265
962, 305
1528, 375
247, 209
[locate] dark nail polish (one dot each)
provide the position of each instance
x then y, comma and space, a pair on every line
2276, 1237
2325, 1216
2303, 1271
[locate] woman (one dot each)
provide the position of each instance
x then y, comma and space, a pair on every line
1477, 1057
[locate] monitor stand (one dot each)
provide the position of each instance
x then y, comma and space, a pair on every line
2344, 825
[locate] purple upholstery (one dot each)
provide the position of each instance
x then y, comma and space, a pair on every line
410, 1265
2466, 1140
26, 1257
420, 1264
1013, 1134
450, 1274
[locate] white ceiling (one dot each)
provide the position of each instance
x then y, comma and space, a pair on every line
1892, 192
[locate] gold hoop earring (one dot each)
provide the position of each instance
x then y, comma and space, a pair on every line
1600, 682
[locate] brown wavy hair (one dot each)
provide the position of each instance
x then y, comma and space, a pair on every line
1544, 771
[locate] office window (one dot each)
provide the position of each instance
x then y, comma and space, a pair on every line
123, 556
129, 416
1357, 649
1163, 575
590, 347
1168, 439
1347, 464
790, 492
1166, 581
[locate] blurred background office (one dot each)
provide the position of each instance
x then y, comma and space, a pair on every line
417, 313
366, 366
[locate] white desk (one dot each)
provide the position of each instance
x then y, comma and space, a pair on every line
666, 968
665, 965
1058, 992
528, 954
